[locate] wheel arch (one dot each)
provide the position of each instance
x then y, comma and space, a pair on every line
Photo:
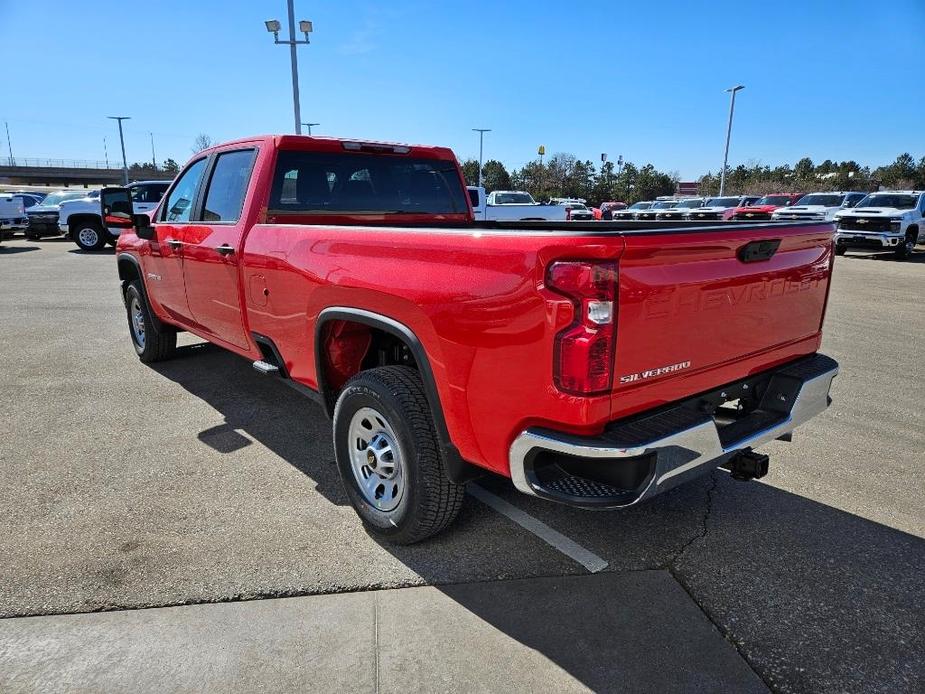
130, 270
79, 217
458, 469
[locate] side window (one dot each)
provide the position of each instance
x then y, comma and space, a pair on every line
179, 205
474, 198
227, 186
922, 204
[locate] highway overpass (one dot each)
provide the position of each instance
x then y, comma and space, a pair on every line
67, 172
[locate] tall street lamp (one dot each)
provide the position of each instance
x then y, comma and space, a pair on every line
309, 126
732, 106
305, 26
481, 132
122, 142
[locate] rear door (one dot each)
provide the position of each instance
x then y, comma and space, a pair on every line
696, 301
212, 248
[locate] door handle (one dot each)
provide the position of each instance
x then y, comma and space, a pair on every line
174, 244
224, 249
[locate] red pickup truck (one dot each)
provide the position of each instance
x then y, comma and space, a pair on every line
594, 363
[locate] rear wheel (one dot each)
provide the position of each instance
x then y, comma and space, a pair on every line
90, 236
389, 458
151, 344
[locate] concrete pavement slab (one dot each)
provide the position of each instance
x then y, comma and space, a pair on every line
325, 644
635, 632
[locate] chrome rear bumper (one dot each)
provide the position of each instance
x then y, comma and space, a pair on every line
672, 445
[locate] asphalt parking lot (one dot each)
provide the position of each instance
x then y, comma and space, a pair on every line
199, 481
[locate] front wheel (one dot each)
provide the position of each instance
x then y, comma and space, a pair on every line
839, 249
151, 344
907, 246
389, 459
89, 236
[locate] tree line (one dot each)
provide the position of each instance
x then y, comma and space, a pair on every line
564, 175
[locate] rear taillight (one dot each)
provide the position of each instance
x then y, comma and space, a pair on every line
584, 350
568, 213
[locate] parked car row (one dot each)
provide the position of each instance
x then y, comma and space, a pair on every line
69, 212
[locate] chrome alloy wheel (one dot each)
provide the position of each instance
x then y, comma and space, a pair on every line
138, 322
376, 459
88, 236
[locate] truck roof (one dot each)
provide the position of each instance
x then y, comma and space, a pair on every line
338, 144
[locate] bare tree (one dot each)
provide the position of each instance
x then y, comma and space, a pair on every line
201, 142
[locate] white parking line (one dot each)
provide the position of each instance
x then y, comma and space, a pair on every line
554, 538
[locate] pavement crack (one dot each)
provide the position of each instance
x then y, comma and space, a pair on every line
704, 525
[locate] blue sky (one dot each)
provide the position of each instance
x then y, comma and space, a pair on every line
837, 79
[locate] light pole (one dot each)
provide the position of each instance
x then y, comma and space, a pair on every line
305, 26
153, 158
9, 145
732, 106
122, 142
481, 132
309, 126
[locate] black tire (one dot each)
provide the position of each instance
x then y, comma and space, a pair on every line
428, 500
32, 236
151, 344
905, 250
839, 249
89, 236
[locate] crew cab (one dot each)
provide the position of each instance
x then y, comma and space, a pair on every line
80, 219
888, 220
511, 205
764, 207
819, 206
595, 364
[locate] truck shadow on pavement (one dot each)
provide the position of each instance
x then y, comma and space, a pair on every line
13, 250
917, 257
289, 424
814, 598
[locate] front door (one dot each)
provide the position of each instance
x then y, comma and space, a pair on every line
212, 249
163, 266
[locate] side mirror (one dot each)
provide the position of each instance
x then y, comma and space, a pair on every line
116, 208
143, 228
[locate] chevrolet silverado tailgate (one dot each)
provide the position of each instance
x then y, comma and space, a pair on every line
699, 308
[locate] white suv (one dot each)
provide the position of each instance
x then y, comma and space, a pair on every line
80, 219
890, 220
818, 207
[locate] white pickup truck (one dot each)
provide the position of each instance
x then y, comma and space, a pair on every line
889, 220
80, 219
12, 214
818, 207
512, 206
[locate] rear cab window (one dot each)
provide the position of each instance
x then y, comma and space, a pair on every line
361, 183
